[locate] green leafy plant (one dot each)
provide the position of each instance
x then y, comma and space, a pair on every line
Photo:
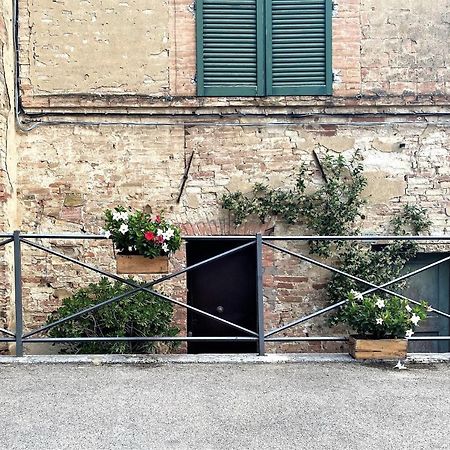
412, 219
330, 210
377, 318
333, 209
137, 233
378, 264
138, 315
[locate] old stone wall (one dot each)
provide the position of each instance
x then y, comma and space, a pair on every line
80, 171
4, 190
390, 97
380, 48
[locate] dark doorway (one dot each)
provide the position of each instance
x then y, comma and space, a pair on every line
225, 288
431, 285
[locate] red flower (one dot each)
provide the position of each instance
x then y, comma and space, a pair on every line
149, 235
158, 219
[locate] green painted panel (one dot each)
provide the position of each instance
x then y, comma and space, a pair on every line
298, 51
433, 286
264, 47
228, 63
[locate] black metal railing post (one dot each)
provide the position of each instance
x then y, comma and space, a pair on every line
18, 293
260, 294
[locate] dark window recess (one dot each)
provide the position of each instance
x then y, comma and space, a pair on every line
260, 48
431, 285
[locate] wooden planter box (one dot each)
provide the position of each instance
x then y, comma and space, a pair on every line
377, 348
137, 264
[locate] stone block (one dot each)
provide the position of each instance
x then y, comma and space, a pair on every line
381, 187
74, 199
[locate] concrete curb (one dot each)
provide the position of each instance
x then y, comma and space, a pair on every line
177, 359
272, 358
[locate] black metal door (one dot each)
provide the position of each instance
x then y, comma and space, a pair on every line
225, 288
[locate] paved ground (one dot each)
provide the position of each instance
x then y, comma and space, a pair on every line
223, 406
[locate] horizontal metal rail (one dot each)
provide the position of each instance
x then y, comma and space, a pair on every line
352, 277
355, 238
146, 339
260, 337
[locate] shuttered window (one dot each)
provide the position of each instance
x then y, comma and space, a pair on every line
263, 47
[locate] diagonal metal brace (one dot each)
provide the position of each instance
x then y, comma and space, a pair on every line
355, 278
138, 288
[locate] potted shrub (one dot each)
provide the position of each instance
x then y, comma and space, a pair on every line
382, 325
143, 242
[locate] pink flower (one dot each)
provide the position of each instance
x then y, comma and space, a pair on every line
158, 219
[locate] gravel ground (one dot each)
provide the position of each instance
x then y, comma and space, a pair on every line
225, 406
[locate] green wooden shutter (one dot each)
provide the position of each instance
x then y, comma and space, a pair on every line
230, 47
298, 51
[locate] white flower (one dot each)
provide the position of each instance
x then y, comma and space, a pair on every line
124, 215
379, 321
400, 366
117, 215
123, 228
409, 333
167, 235
357, 295
380, 303
159, 232
429, 308
130, 248
107, 234
415, 319
408, 308
165, 248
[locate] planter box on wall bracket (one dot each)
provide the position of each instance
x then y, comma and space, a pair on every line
138, 264
377, 348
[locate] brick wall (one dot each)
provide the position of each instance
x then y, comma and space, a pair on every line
79, 171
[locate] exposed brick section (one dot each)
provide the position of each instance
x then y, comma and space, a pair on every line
70, 185
347, 48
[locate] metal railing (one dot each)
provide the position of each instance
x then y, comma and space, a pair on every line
260, 336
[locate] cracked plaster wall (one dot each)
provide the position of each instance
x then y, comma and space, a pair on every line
380, 48
90, 46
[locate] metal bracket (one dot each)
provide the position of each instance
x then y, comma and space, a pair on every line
335, 8
185, 177
192, 8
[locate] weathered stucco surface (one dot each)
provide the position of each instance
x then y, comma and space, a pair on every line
402, 49
139, 57
86, 47
148, 48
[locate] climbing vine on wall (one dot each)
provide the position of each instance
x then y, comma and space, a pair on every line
333, 209
330, 210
